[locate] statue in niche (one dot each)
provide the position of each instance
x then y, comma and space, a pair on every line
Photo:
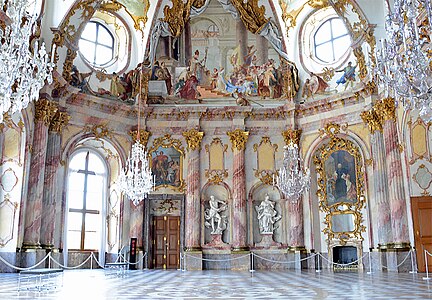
267, 215
214, 219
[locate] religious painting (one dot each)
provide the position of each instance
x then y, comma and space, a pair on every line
219, 62
166, 162
340, 178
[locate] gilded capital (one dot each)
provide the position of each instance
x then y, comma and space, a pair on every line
238, 138
372, 119
59, 121
193, 138
143, 136
386, 109
292, 136
45, 110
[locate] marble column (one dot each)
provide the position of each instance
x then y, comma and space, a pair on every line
51, 193
136, 218
262, 50
396, 189
242, 38
193, 201
238, 140
187, 43
44, 111
380, 199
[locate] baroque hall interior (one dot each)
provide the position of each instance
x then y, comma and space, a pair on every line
217, 92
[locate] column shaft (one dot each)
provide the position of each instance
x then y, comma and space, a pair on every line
193, 203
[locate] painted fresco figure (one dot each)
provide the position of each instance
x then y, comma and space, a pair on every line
348, 76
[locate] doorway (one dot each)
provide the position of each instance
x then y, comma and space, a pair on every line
166, 242
422, 212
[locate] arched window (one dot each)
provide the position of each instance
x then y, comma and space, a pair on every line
331, 40
97, 44
85, 197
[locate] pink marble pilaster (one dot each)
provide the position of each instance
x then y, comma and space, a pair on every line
192, 209
44, 111
295, 224
239, 201
396, 188
136, 218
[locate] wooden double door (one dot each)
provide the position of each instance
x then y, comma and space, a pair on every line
166, 242
422, 213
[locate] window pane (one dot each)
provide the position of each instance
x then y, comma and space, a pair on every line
74, 239
104, 37
89, 32
75, 190
323, 33
325, 52
95, 184
93, 222
96, 164
94, 201
87, 49
103, 55
338, 28
74, 221
78, 161
341, 45
91, 240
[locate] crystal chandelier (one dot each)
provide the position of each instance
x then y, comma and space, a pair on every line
403, 64
23, 71
136, 180
293, 179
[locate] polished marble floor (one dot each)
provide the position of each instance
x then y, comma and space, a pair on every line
165, 284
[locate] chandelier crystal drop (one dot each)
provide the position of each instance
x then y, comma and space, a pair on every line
23, 71
403, 64
136, 179
293, 179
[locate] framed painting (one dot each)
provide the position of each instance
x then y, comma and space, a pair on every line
166, 163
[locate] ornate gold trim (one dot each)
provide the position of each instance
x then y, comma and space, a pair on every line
59, 121
372, 119
193, 139
238, 139
292, 136
216, 176
45, 110
143, 136
424, 187
322, 154
167, 142
99, 131
386, 109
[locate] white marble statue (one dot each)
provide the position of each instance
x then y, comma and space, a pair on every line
213, 216
267, 216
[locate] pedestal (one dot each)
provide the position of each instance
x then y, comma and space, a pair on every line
267, 242
217, 243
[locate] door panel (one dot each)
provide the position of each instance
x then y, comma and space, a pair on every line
422, 213
166, 242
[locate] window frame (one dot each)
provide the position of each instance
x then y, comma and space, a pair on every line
331, 40
96, 43
84, 211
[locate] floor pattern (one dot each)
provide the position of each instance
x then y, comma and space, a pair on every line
163, 284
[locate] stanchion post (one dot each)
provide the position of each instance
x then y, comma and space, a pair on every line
318, 270
370, 262
427, 268
413, 270
181, 262
49, 260
91, 261
252, 263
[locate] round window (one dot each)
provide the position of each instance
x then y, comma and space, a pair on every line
331, 40
97, 44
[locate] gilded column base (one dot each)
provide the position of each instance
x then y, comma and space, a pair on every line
297, 249
402, 246
240, 249
193, 249
27, 247
47, 247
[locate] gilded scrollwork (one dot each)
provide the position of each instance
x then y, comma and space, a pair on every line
423, 178
99, 131
59, 121
179, 14
193, 138
45, 110
290, 17
238, 139
143, 137
349, 205
386, 109
216, 176
292, 136
358, 53
372, 119
252, 15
